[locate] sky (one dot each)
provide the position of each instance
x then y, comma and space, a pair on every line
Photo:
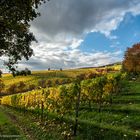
83, 33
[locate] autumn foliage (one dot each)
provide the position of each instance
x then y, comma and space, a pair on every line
131, 61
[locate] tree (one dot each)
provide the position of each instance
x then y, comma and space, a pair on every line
28, 72
15, 37
0, 73
131, 61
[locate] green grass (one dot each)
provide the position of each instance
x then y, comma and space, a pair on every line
3, 118
8, 129
122, 116
32, 127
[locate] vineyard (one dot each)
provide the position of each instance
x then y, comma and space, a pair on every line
82, 108
69, 70
61, 97
51, 78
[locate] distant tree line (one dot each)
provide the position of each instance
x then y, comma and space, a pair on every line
59, 69
0, 73
22, 72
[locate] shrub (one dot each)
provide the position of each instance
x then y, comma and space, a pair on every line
23, 72
28, 72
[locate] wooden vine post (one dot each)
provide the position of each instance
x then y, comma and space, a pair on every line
78, 93
42, 106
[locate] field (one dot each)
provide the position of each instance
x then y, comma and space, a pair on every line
52, 75
56, 112
52, 78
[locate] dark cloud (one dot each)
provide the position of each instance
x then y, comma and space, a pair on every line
74, 17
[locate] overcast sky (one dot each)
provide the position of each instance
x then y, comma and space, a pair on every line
83, 33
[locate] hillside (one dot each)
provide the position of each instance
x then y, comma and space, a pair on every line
51, 78
120, 119
53, 108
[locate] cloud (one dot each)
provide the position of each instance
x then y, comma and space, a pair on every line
68, 18
70, 58
63, 26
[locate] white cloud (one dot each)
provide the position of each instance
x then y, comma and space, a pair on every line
71, 58
64, 24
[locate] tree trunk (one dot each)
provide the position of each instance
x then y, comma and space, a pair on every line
42, 108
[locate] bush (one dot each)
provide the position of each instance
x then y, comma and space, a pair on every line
17, 73
23, 73
28, 72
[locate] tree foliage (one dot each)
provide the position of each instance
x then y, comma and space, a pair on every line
0, 73
15, 36
131, 61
